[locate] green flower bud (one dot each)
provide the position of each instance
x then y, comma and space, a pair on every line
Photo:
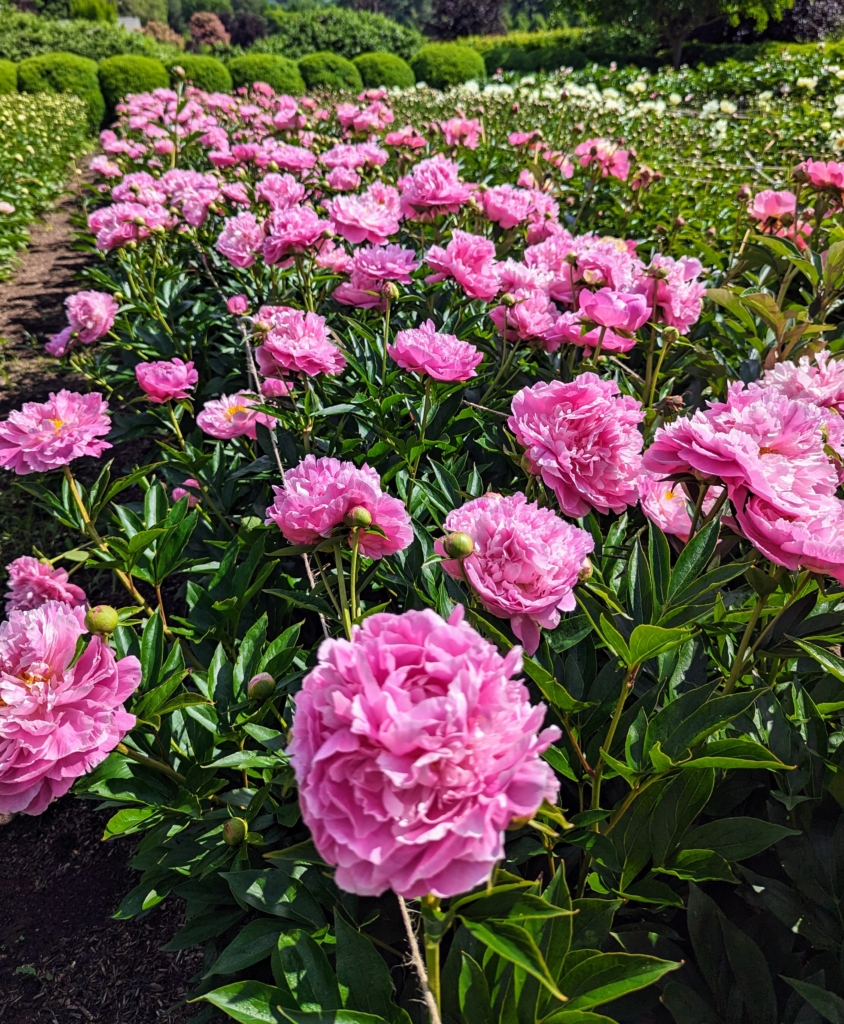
358, 518
586, 571
101, 619
458, 545
235, 831
261, 687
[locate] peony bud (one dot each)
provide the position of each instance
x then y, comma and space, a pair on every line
260, 687
458, 545
235, 831
101, 619
670, 335
391, 290
358, 518
585, 571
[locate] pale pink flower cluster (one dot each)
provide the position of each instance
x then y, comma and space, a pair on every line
667, 504
462, 131
433, 187
47, 435
297, 342
608, 157
90, 315
525, 563
59, 716
318, 495
166, 380
430, 353
583, 440
233, 416
32, 582
370, 217
414, 747
469, 260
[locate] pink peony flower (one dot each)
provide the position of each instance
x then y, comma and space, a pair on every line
582, 438
46, 435
31, 583
319, 493
385, 263
770, 206
470, 260
570, 328
58, 719
827, 175
105, 168
605, 155
525, 563
433, 187
759, 441
166, 380
507, 206
414, 748
407, 136
343, 179
821, 384
90, 315
667, 505
361, 291
531, 316
460, 131
232, 416
370, 217
679, 295
274, 387
622, 311
298, 342
281, 191
241, 239
180, 492
237, 305
441, 356
290, 231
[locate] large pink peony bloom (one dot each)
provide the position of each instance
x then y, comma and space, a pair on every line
507, 205
582, 438
769, 206
414, 748
679, 295
622, 311
758, 440
298, 342
281, 191
433, 187
821, 384
319, 493
385, 263
441, 356
90, 315
57, 719
46, 435
525, 563
290, 231
232, 416
370, 217
32, 583
470, 260
241, 239
166, 380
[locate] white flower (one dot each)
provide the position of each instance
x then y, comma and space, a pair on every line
836, 141
712, 107
839, 74
808, 83
528, 80
726, 107
611, 94
675, 99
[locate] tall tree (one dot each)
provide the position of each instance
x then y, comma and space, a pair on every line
453, 18
673, 21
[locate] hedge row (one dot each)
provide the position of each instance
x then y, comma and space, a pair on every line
103, 86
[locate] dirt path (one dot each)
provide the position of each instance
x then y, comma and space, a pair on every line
31, 307
62, 958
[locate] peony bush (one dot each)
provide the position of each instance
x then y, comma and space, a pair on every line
478, 537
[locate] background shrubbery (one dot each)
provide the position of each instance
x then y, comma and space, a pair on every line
279, 72
441, 65
26, 35
120, 76
347, 33
329, 71
65, 72
384, 69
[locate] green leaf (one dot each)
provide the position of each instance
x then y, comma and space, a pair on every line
250, 1002
592, 922
828, 1004
694, 558
473, 992
828, 661
647, 642
736, 838
361, 969
255, 942
307, 972
614, 640
577, 1017
203, 927
608, 976
275, 891
660, 559
513, 943
698, 866
513, 905
736, 753
679, 804
184, 700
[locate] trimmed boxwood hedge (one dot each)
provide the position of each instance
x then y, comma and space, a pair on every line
442, 65
65, 72
8, 77
328, 71
278, 72
384, 69
120, 76
206, 73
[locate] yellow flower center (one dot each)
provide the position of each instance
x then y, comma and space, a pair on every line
57, 424
234, 410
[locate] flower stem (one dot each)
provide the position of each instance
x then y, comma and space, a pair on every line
341, 590
738, 664
626, 687
386, 341
150, 762
416, 957
423, 423
175, 423
353, 576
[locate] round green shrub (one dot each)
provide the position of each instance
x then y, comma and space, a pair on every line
328, 71
278, 72
384, 69
120, 76
8, 77
206, 73
442, 65
64, 72
93, 10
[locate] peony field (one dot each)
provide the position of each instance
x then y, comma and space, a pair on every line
424, 548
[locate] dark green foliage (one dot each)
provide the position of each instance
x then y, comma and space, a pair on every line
93, 10
347, 33
65, 72
206, 73
279, 72
8, 77
329, 71
442, 65
384, 69
25, 35
120, 76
